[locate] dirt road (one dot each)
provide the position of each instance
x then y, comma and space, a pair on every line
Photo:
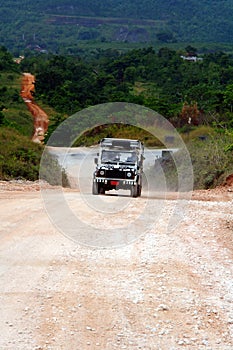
165, 291
40, 118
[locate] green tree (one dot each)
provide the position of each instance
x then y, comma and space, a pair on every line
228, 97
1, 118
191, 51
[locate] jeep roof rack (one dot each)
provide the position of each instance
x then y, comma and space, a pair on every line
121, 143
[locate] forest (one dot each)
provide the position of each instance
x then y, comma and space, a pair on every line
69, 27
164, 81
196, 96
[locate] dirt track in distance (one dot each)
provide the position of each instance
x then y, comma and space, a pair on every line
40, 118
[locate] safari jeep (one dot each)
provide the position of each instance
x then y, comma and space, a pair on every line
119, 165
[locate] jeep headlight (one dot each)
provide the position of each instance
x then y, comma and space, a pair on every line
101, 172
129, 174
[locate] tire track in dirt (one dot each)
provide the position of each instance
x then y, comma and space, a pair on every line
40, 118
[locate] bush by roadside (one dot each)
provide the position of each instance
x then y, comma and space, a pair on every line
211, 159
211, 156
20, 159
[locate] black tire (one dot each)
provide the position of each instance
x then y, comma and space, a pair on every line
134, 191
95, 188
139, 190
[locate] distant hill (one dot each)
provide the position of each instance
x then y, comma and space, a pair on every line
57, 25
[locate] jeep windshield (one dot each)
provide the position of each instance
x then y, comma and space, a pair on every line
118, 157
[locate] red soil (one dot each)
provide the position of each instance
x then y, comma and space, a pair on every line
40, 118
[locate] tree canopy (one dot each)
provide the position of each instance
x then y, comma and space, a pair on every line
63, 25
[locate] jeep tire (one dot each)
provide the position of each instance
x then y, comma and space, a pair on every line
134, 191
139, 190
95, 188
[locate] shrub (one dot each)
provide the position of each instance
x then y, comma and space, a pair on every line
211, 163
52, 172
20, 157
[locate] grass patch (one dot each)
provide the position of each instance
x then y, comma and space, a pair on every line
211, 162
20, 157
19, 119
200, 132
211, 159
